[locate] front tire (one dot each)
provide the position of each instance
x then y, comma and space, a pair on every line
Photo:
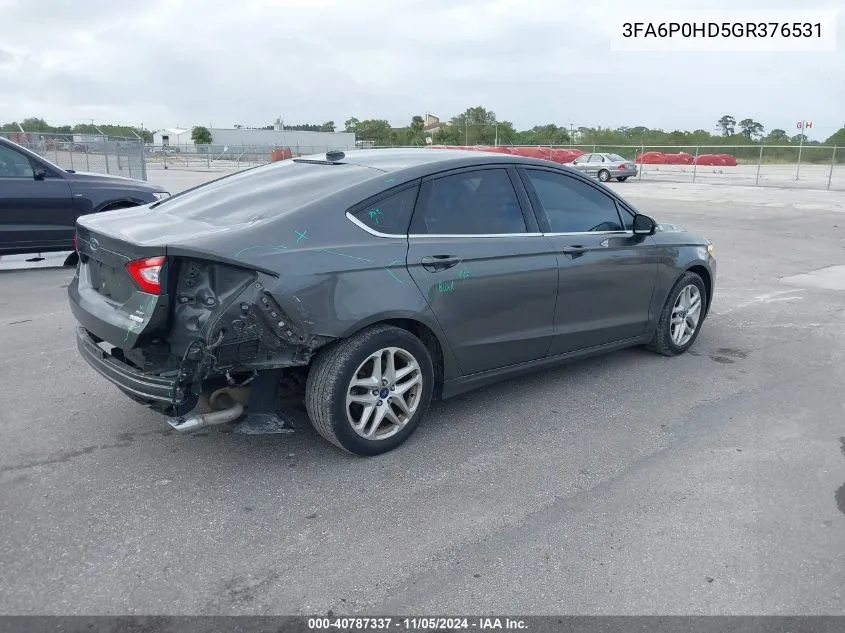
367, 394
682, 316
604, 175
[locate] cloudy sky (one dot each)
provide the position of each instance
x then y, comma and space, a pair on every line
224, 62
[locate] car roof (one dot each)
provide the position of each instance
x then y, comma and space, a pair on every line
423, 160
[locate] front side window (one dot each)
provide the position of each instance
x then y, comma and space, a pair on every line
390, 215
469, 203
14, 164
573, 206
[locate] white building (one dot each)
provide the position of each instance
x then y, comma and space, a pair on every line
230, 140
172, 137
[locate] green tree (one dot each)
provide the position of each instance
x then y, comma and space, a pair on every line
474, 126
328, 126
36, 124
777, 137
837, 138
200, 135
413, 134
751, 129
727, 124
549, 134
351, 124
376, 130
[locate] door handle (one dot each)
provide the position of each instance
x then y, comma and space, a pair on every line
435, 263
575, 249
578, 249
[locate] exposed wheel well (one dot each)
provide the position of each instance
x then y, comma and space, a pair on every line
702, 272
429, 339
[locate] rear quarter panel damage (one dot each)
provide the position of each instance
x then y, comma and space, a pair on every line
331, 285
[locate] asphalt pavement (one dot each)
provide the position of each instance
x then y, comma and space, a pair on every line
712, 483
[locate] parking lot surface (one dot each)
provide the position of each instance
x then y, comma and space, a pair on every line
712, 483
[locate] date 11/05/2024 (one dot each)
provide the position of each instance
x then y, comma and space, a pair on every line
417, 624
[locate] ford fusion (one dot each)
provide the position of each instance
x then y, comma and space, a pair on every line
383, 279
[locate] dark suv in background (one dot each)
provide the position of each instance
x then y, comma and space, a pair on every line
40, 202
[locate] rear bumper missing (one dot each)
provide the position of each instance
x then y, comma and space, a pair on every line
156, 391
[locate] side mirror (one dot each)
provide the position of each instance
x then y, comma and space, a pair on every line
40, 173
644, 225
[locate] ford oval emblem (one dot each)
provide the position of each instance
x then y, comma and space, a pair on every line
94, 244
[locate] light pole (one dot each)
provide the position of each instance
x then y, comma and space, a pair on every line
802, 125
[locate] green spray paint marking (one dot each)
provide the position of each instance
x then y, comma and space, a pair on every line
301, 235
136, 327
391, 273
464, 273
375, 215
446, 286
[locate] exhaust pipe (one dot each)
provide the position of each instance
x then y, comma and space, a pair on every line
188, 423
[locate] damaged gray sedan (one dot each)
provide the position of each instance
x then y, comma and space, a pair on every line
386, 278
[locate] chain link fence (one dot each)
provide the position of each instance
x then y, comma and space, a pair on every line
785, 166
227, 157
87, 152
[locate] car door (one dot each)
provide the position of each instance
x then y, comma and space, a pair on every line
596, 164
36, 206
607, 274
582, 163
490, 277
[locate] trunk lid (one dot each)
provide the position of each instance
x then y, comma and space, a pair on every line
103, 295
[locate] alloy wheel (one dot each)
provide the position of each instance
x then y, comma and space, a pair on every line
686, 314
384, 393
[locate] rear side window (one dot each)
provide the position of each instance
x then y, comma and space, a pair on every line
390, 215
470, 203
573, 206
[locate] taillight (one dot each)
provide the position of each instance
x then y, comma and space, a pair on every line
147, 273
622, 166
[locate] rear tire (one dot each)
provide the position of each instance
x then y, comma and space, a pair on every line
604, 175
622, 178
369, 419
678, 312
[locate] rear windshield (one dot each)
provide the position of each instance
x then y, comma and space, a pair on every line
263, 192
616, 158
